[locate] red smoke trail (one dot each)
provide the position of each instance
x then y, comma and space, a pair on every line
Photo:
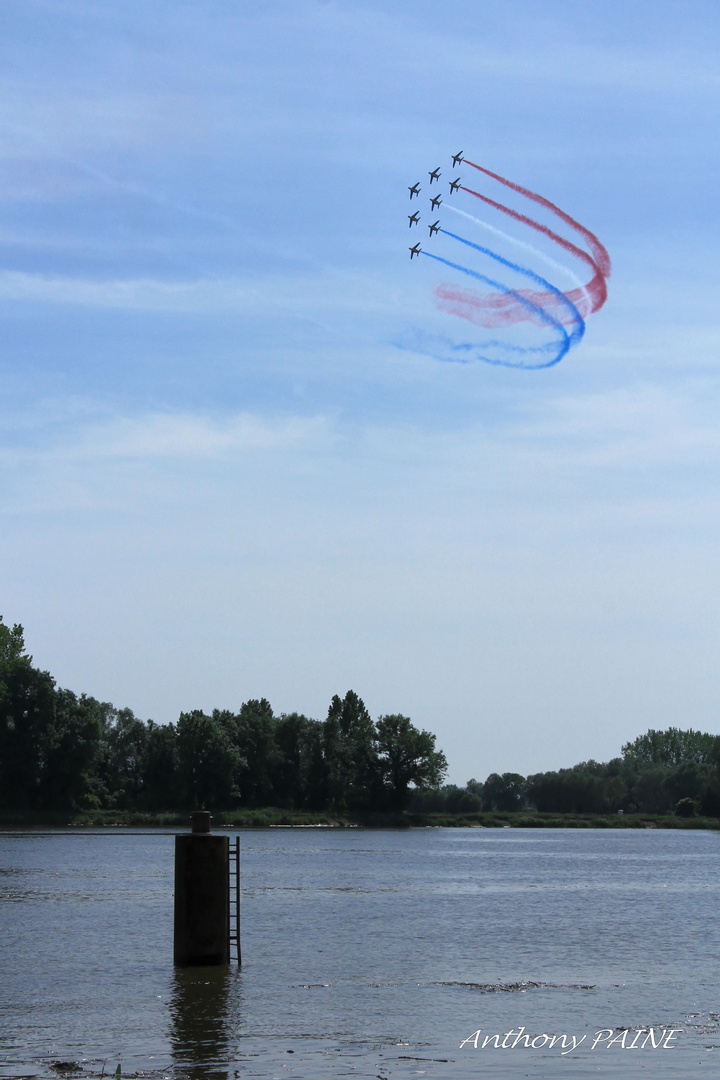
495, 310
595, 287
500, 309
600, 255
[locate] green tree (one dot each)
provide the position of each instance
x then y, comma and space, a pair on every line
49, 738
26, 731
462, 800
124, 757
430, 800
406, 755
161, 787
299, 775
505, 793
584, 789
252, 732
710, 799
353, 778
208, 763
27, 713
671, 748
685, 807
73, 752
12, 650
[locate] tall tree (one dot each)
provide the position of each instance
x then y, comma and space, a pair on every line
353, 775
406, 756
125, 744
49, 738
27, 713
209, 763
161, 787
253, 734
73, 752
299, 767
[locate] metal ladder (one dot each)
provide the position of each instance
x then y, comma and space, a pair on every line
234, 901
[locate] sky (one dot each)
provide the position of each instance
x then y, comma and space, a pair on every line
230, 465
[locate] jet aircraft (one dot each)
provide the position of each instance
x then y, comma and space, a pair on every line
434, 228
414, 251
413, 219
458, 159
454, 185
414, 190
436, 202
435, 175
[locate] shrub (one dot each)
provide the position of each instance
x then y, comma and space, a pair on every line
685, 808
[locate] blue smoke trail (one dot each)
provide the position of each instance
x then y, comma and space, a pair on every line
526, 247
578, 330
438, 348
565, 339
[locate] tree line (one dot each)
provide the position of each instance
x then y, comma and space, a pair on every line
661, 772
61, 751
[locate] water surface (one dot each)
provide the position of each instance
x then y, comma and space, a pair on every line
366, 954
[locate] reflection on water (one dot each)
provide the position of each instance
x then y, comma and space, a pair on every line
204, 1019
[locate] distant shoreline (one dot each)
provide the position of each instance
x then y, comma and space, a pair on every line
273, 817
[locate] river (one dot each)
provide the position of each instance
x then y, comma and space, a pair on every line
368, 954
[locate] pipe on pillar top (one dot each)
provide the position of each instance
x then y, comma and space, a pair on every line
201, 821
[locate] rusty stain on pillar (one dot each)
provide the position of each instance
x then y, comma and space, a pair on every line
202, 917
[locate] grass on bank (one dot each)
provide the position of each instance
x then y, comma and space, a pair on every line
274, 817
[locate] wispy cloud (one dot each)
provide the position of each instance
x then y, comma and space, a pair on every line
352, 293
568, 449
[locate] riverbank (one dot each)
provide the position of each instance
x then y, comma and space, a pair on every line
273, 817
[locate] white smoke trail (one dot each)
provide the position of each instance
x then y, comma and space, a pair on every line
526, 247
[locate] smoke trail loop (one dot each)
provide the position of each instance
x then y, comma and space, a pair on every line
540, 303
539, 312
579, 323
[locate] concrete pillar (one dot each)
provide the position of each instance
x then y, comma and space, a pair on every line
202, 914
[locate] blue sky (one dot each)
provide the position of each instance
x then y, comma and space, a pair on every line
220, 478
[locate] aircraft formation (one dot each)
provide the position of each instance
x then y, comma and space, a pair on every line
539, 322
435, 202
